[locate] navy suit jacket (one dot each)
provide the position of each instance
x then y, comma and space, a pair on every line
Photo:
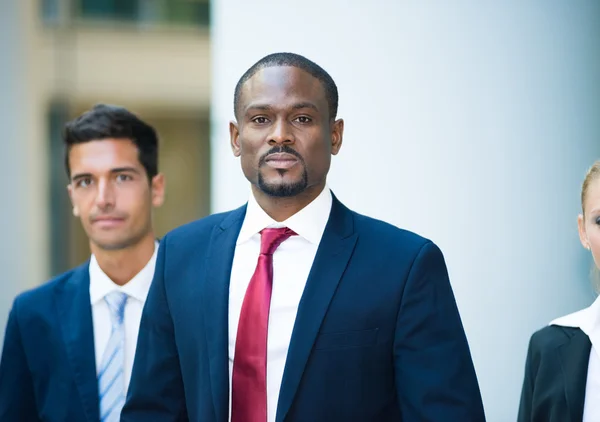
555, 375
48, 367
377, 335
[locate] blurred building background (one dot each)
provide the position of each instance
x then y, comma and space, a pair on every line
151, 56
469, 122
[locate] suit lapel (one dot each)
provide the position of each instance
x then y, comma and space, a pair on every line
216, 306
331, 260
574, 358
75, 317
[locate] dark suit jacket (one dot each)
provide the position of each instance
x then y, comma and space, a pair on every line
48, 368
555, 376
377, 335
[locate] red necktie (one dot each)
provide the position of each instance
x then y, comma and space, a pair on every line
249, 383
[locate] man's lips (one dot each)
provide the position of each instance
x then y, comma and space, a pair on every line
107, 221
281, 160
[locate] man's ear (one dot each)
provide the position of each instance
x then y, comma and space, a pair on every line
75, 208
158, 186
337, 135
234, 135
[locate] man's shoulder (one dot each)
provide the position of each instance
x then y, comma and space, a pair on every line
386, 234
39, 297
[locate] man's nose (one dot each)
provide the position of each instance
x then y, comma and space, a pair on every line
281, 133
105, 197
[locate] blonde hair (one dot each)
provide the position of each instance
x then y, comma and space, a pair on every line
592, 174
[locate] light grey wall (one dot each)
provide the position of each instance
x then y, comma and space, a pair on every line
23, 156
471, 123
13, 252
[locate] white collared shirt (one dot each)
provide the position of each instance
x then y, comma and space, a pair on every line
292, 262
588, 320
137, 291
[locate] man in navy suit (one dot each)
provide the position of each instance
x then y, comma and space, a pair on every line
293, 307
70, 343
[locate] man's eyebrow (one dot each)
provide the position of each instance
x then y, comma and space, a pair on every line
78, 176
258, 107
305, 105
124, 169
267, 107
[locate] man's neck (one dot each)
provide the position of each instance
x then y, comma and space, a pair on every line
280, 209
124, 264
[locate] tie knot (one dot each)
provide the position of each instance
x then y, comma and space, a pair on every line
116, 304
270, 239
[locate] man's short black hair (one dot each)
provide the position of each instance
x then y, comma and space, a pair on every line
293, 60
109, 121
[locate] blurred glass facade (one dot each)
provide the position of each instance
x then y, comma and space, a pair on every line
176, 12
171, 12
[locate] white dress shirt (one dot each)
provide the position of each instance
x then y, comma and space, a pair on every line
588, 320
137, 291
292, 262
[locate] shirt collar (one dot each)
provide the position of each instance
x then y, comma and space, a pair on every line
137, 288
588, 320
308, 223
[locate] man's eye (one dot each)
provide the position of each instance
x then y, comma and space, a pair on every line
303, 119
123, 177
260, 120
82, 183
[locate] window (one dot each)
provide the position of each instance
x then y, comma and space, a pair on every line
50, 11
179, 12
60, 205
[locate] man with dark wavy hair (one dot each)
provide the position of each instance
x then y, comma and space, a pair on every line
70, 343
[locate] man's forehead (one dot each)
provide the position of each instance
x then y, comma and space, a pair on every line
104, 153
281, 82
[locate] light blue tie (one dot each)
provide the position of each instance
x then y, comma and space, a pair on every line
111, 380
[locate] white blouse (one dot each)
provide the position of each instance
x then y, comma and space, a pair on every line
588, 320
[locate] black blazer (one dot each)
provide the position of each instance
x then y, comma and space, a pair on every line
555, 376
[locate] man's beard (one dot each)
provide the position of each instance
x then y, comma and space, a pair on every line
284, 190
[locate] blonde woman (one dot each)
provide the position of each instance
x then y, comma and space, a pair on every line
562, 371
